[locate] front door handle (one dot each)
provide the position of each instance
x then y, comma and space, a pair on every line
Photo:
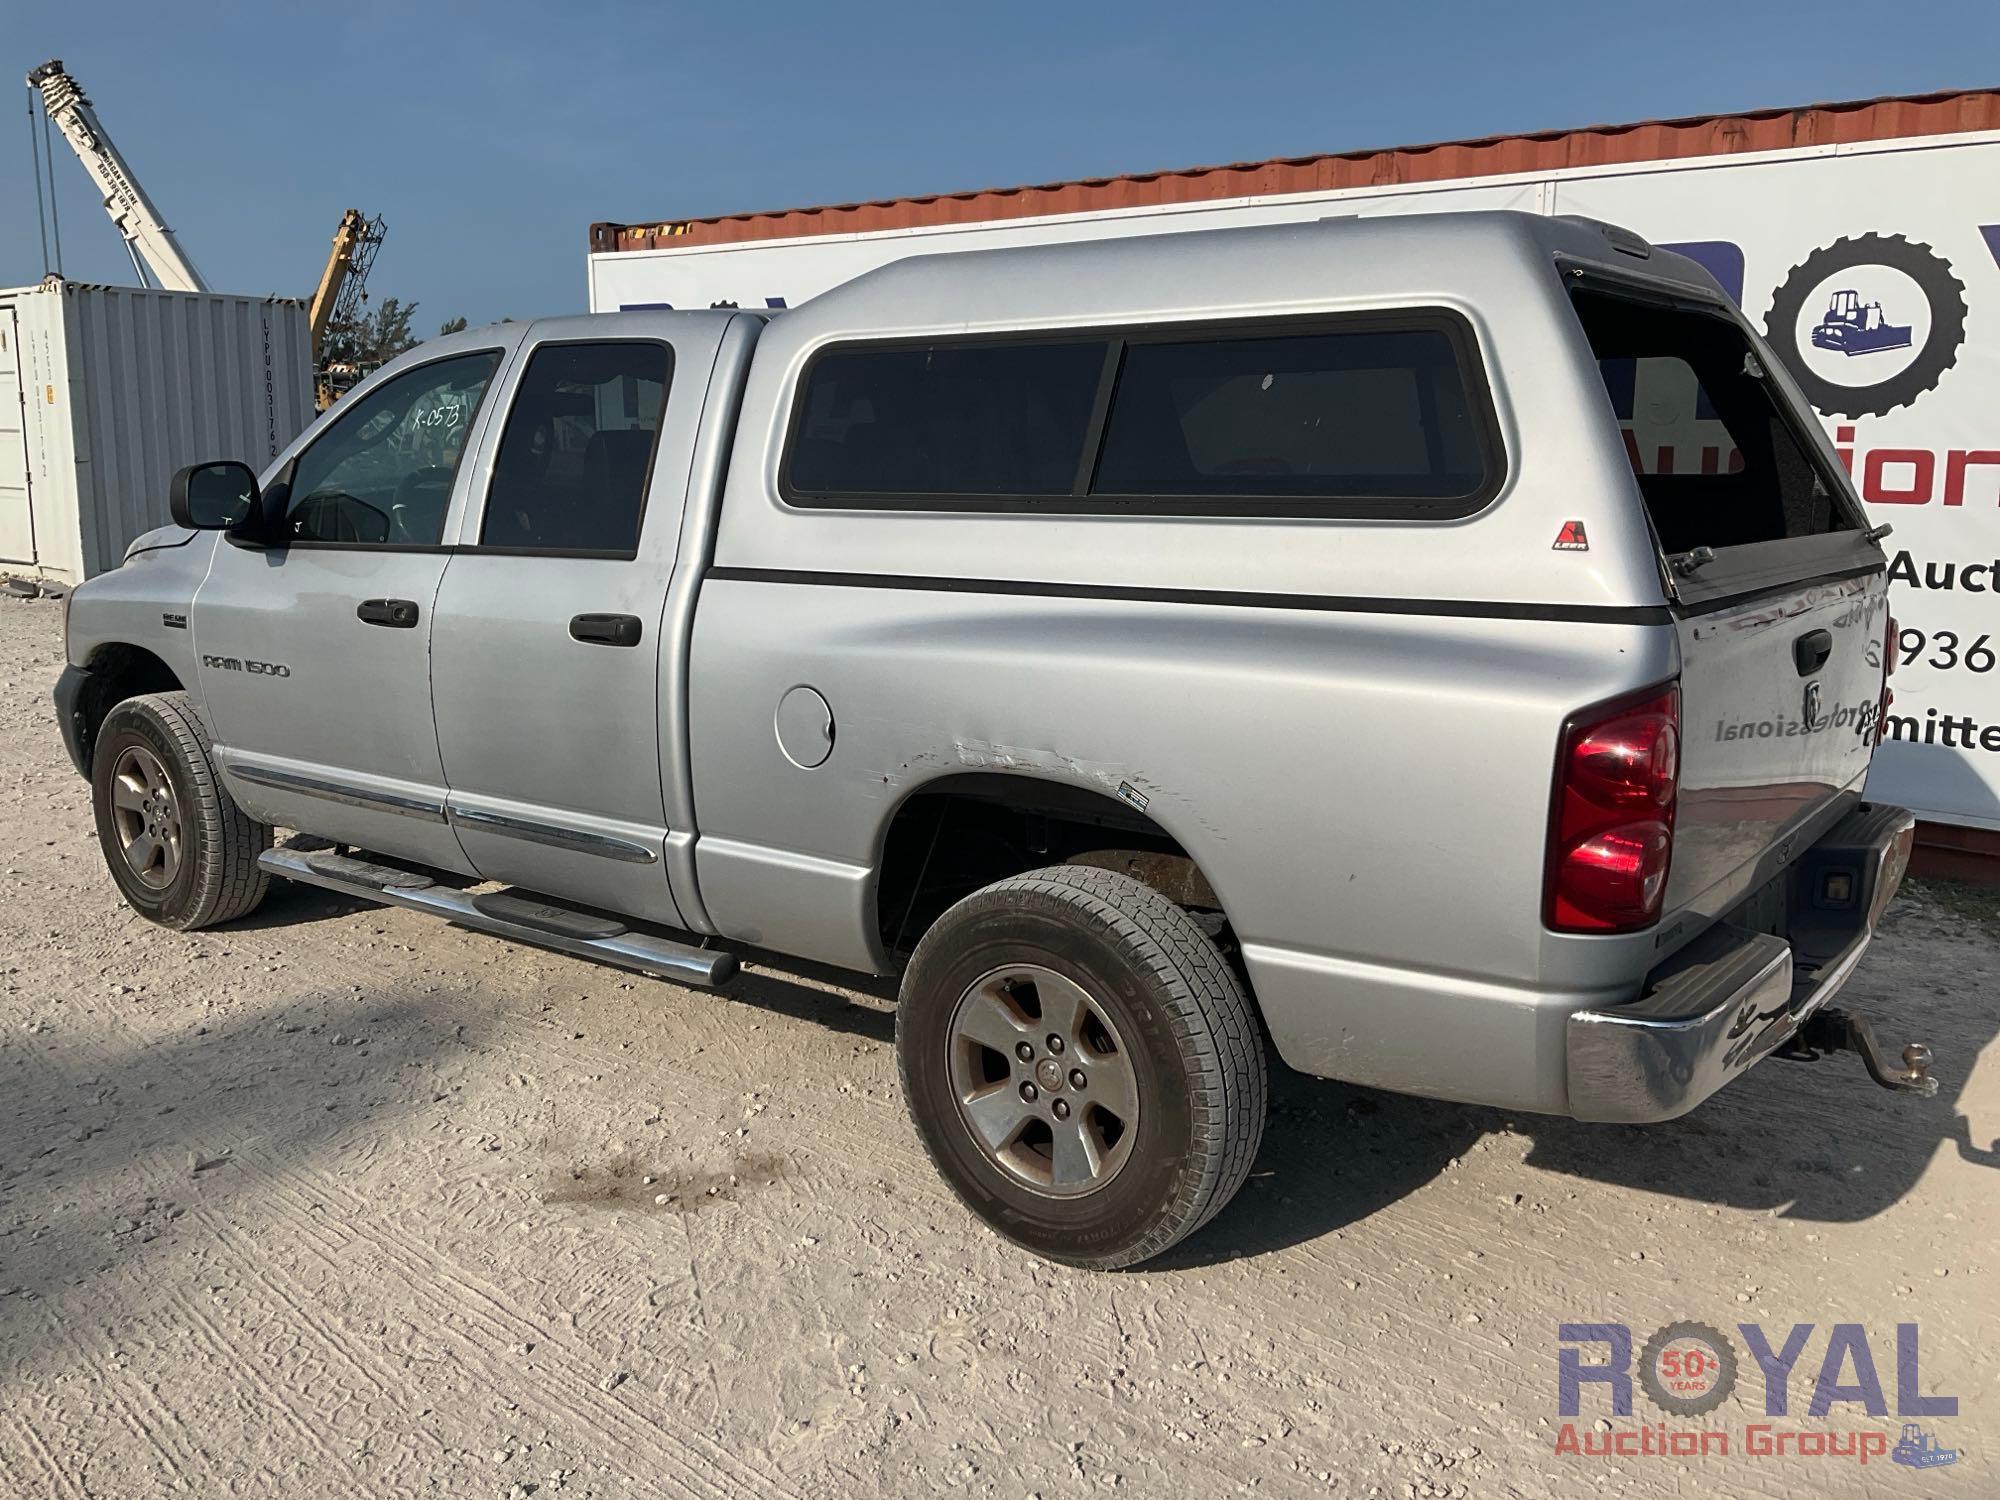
1810, 651
397, 614
606, 630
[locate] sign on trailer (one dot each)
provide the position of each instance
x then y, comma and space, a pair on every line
1866, 246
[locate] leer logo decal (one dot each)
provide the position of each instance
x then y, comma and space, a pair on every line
1571, 538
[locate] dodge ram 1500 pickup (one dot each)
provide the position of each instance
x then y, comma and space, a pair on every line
1444, 650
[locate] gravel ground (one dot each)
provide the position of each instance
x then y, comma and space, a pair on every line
338, 1200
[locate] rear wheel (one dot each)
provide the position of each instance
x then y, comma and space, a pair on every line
178, 846
1083, 1066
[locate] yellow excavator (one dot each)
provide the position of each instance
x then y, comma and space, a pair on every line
342, 290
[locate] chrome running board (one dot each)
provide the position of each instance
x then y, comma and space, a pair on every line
509, 915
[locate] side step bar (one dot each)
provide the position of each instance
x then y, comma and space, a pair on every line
509, 915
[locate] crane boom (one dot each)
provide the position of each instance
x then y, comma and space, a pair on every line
337, 299
130, 209
337, 266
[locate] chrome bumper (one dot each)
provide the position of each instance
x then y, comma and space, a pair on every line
1732, 995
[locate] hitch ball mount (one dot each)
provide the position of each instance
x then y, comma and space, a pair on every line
1832, 1030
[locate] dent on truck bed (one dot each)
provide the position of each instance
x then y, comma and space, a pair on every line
1129, 786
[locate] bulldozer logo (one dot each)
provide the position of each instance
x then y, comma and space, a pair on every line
1571, 538
1855, 327
1919, 1449
1868, 323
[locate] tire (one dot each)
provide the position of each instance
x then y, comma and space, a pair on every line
1166, 1033
152, 771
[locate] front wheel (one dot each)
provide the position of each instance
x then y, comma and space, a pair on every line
181, 850
1084, 1068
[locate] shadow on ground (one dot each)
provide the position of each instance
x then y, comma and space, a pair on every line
819, 995
1815, 1141
107, 1143
291, 903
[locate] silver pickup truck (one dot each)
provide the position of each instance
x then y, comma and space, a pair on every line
1444, 648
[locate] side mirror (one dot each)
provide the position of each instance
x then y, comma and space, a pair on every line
214, 496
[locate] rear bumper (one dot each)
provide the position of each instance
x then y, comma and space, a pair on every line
1733, 995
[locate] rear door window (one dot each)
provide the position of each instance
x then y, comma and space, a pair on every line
1720, 457
577, 450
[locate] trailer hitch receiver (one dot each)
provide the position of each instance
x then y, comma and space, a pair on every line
1833, 1030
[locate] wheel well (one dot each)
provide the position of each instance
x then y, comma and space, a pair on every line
117, 672
960, 833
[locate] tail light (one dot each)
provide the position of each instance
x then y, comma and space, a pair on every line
1611, 824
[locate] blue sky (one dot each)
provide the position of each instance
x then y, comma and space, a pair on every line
491, 135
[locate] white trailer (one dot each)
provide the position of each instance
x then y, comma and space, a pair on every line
1863, 238
105, 391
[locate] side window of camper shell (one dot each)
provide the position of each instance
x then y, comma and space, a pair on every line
1363, 414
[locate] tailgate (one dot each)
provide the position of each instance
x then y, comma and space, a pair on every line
1779, 593
1779, 698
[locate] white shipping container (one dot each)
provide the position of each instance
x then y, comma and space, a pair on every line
106, 390
1870, 256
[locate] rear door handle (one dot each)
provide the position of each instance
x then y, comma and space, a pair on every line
1810, 651
606, 630
397, 614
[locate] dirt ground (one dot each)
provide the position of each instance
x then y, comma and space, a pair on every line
343, 1201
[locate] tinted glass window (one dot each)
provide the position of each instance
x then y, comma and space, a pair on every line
1669, 423
1359, 414
966, 419
575, 455
1720, 457
381, 474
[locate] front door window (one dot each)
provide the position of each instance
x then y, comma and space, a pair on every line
381, 475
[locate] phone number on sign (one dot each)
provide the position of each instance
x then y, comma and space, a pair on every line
1945, 650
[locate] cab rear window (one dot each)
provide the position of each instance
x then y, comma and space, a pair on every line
1720, 457
1354, 415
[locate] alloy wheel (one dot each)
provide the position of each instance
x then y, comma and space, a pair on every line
147, 817
1043, 1080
